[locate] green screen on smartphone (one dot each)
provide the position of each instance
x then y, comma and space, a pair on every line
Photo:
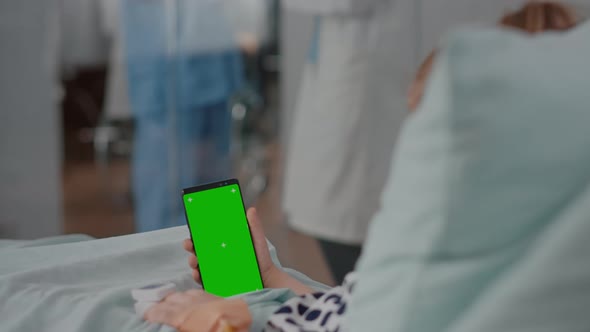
221, 236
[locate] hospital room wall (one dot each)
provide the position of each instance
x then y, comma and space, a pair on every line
30, 146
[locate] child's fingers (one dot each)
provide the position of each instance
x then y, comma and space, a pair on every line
194, 265
192, 261
187, 244
197, 277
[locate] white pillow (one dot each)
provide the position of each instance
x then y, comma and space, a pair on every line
485, 224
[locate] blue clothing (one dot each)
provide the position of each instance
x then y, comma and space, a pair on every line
179, 97
184, 82
166, 160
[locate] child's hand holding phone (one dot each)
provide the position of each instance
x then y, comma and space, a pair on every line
272, 276
267, 267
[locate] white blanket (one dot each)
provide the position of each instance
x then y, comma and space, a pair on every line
76, 283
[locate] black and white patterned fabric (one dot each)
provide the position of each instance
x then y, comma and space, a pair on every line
314, 312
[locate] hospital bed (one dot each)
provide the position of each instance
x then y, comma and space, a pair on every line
77, 283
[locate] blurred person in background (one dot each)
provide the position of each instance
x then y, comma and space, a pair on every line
337, 157
183, 65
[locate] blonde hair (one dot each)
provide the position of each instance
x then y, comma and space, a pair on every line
534, 17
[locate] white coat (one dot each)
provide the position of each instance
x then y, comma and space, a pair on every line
353, 100
332, 185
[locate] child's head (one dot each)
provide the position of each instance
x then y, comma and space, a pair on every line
534, 17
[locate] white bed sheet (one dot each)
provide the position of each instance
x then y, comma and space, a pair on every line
77, 283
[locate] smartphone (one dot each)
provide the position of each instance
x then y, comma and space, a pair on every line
217, 221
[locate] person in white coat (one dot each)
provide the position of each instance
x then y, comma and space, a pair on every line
351, 103
336, 158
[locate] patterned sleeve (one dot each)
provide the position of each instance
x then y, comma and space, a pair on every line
313, 312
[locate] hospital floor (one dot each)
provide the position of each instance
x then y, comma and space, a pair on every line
97, 202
